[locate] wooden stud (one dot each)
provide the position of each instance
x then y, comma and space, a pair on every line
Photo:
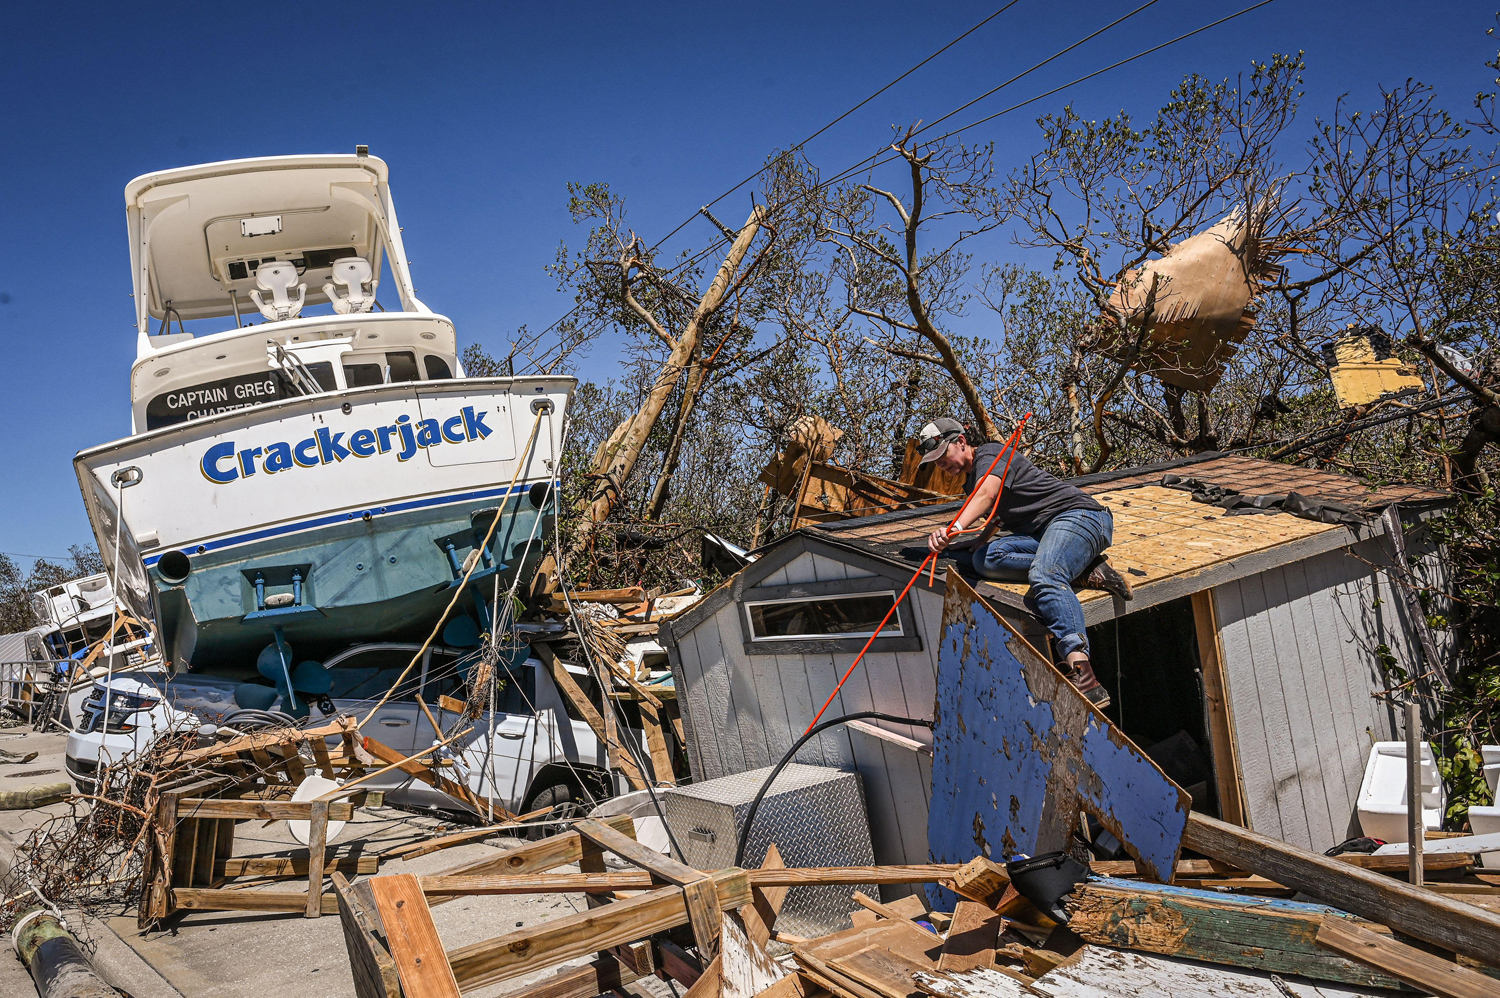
709, 983
1422, 914
414, 941
1403, 962
603, 727
982, 878
224, 899
292, 866
1228, 779
273, 809
535, 947
375, 973
317, 848
661, 759
972, 938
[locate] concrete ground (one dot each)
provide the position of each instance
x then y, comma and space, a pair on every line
260, 955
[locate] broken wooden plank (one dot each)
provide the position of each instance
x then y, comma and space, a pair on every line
637, 880
602, 728
765, 904
1257, 933
317, 849
292, 866
543, 854
981, 879
532, 948
745, 968
413, 939
272, 809
886, 911
375, 974
972, 938
221, 899
1403, 962
1065, 757
656, 742
1422, 914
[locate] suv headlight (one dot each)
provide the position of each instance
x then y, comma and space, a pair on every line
121, 706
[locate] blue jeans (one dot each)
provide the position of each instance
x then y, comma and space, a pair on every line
1070, 542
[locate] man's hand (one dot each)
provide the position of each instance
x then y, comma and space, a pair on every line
938, 540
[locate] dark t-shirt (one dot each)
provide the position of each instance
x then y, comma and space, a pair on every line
1031, 497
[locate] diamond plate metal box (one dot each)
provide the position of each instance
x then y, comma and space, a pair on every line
815, 815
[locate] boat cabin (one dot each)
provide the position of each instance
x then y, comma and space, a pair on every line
281, 259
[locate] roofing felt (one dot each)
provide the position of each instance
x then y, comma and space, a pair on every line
1161, 534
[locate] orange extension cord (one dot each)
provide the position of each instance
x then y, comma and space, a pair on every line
932, 558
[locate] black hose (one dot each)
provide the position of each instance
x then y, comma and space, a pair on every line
739, 852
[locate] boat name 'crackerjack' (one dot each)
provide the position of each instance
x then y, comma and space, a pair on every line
223, 464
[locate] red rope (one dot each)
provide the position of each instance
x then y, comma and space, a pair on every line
932, 558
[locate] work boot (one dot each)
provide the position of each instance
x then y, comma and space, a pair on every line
1101, 575
1081, 675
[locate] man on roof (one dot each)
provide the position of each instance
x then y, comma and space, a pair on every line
1056, 536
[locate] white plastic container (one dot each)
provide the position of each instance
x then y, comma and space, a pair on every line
1382, 795
1484, 820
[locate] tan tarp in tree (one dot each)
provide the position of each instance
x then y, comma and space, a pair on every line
1205, 286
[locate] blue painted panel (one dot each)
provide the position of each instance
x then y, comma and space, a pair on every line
1018, 752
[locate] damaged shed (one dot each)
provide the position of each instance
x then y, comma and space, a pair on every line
1247, 658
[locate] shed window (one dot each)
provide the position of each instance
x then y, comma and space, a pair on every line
854, 616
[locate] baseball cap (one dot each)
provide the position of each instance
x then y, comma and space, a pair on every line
935, 437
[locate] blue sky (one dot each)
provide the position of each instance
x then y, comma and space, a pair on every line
485, 111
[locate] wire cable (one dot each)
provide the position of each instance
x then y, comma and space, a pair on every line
687, 221
881, 158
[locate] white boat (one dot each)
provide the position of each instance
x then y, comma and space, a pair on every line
322, 475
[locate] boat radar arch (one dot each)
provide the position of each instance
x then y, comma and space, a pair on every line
274, 233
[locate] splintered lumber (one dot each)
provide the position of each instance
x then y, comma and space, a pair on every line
413, 939
780, 878
881, 959
865, 901
603, 730
260, 741
972, 938
1259, 933
982, 879
552, 942
765, 904
1406, 963
745, 968
375, 974
1421, 914
702, 905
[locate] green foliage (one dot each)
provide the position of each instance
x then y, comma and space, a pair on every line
1462, 770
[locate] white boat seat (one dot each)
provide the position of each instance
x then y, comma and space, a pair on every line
352, 273
278, 277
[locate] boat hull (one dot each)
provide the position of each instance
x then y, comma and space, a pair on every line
338, 518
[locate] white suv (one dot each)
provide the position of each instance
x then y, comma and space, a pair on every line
528, 754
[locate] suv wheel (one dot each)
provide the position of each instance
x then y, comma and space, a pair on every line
565, 799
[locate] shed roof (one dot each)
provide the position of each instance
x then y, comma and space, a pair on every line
1167, 544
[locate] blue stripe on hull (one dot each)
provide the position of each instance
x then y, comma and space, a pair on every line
325, 521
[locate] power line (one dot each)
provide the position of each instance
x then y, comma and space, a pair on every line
881, 158
685, 222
